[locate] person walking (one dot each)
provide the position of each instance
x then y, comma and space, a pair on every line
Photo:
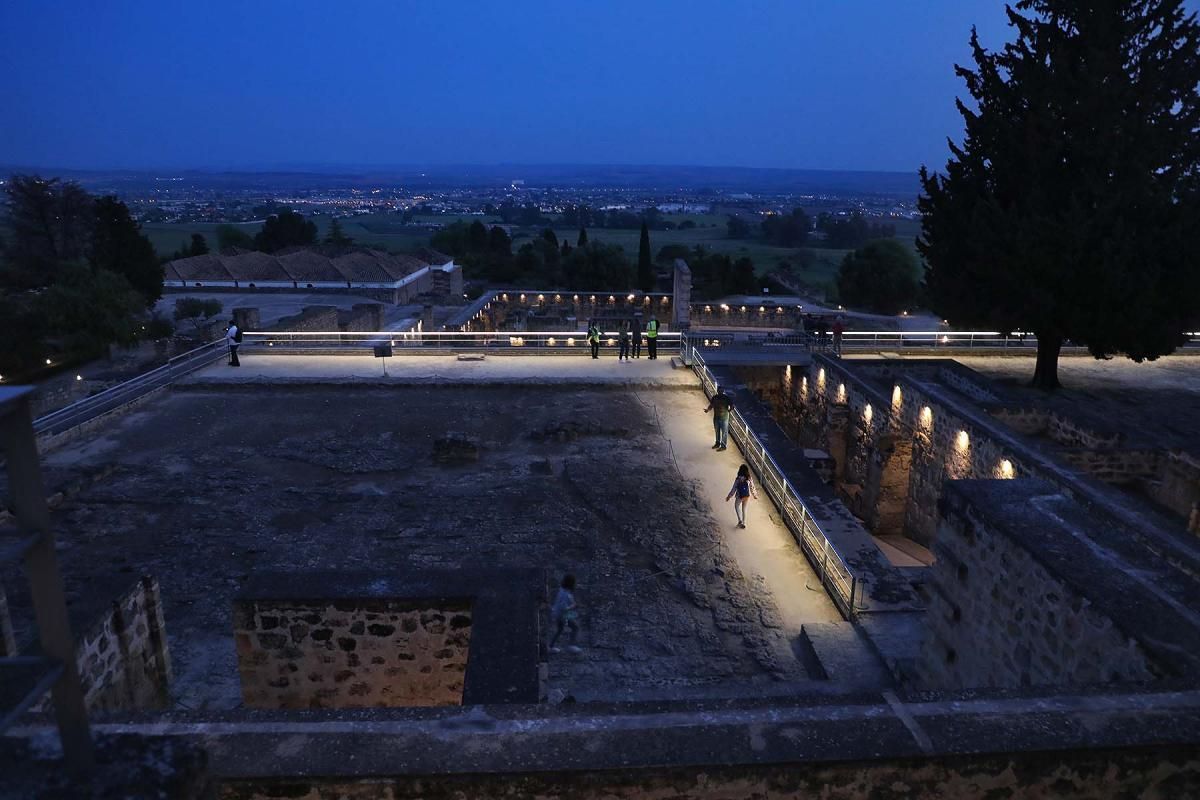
593, 338
623, 341
233, 338
563, 615
838, 329
636, 331
652, 338
720, 405
743, 489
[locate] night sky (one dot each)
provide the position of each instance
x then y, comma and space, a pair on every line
851, 84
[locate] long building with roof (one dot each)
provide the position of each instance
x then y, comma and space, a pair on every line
398, 278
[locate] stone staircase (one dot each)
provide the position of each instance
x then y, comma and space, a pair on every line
839, 653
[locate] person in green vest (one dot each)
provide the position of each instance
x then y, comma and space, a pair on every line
593, 338
652, 338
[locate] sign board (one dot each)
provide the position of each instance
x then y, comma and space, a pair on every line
383, 351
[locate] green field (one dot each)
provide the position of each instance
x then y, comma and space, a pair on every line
388, 232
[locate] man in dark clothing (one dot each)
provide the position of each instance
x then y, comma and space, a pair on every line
635, 330
720, 405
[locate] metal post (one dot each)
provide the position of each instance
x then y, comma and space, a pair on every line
28, 497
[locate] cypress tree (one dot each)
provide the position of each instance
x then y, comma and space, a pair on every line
582, 240
1066, 210
645, 267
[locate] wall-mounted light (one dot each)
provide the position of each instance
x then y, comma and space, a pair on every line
841, 393
926, 417
962, 441
48, 362
897, 396
1005, 469
552, 341
868, 412
570, 341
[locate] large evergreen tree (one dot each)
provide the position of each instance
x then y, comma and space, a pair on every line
1067, 209
119, 246
645, 266
285, 229
336, 236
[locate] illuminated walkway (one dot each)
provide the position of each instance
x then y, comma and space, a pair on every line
766, 548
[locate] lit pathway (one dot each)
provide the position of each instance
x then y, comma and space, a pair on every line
259, 367
766, 548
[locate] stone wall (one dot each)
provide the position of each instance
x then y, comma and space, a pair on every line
765, 315
1177, 486
311, 319
511, 310
1167, 772
998, 617
122, 658
351, 653
366, 317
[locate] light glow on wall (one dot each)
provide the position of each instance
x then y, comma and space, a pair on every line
1005, 469
962, 441
897, 397
841, 393
868, 412
926, 417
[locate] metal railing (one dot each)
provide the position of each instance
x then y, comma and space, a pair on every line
115, 396
836, 576
417, 342
879, 340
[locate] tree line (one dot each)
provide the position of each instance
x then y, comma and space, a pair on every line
76, 274
794, 229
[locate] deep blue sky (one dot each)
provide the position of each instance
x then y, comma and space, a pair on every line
823, 84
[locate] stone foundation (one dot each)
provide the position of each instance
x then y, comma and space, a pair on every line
352, 654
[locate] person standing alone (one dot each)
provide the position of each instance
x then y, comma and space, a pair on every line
563, 614
636, 330
720, 405
593, 337
652, 338
233, 338
743, 489
838, 329
623, 340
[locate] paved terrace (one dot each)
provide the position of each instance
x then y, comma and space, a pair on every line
302, 463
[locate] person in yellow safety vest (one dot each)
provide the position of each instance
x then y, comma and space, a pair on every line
593, 337
652, 337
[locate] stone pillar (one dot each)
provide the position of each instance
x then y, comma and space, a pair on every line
246, 318
681, 315
427, 317
8, 643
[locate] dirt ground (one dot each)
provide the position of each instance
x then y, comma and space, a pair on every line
204, 488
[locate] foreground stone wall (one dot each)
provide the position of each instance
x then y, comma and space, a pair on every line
122, 658
1167, 772
999, 618
351, 653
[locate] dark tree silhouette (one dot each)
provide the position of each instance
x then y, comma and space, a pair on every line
336, 236
49, 224
1068, 208
881, 276
645, 266
229, 236
285, 229
118, 245
582, 240
199, 245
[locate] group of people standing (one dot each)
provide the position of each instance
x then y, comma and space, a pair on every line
629, 339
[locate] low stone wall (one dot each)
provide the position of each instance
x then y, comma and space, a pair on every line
1171, 771
351, 653
122, 658
1006, 610
1118, 467
362, 317
312, 319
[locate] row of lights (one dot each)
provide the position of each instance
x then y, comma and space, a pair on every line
612, 298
